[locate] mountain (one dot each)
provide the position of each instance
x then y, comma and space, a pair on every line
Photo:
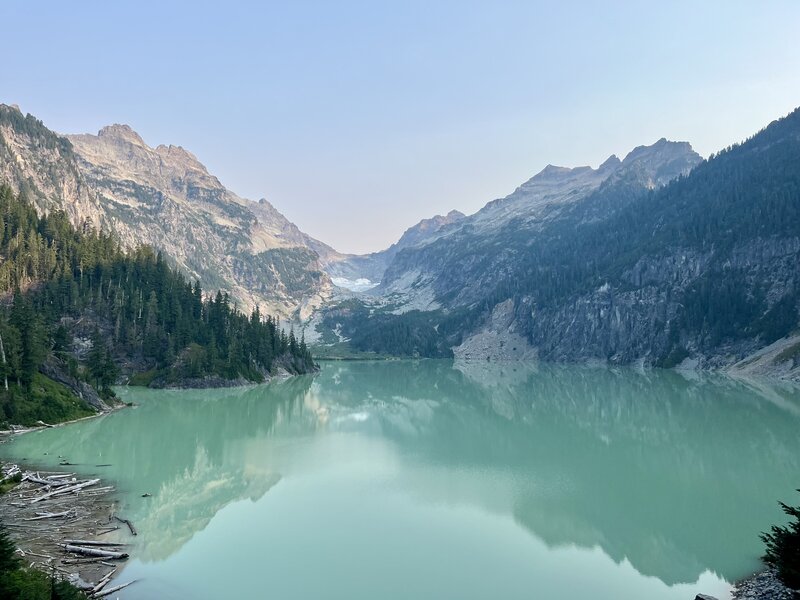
450, 269
660, 258
78, 311
166, 198
361, 272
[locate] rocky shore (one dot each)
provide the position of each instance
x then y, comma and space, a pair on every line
763, 585
67, 527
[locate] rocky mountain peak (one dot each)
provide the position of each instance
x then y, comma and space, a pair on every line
422, 230
610, 164
553, 173
661, 162
121, 133
661, 149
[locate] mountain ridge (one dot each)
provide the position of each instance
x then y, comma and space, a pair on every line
165, 197
668, 260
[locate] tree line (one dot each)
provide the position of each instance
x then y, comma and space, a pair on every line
62, 288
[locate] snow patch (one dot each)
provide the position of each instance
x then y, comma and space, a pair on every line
361, 284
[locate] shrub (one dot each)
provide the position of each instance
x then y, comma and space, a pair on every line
17, 582
783, 548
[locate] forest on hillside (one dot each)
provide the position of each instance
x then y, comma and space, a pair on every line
76, 301
718, 246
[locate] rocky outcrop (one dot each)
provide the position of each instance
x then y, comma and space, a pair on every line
55, 370
38, 162
656, 259
781, 359
497, 340
763, 586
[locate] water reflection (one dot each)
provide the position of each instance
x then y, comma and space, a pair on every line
676, 474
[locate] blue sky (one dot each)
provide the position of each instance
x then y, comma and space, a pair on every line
357, 119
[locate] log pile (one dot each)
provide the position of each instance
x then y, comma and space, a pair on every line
67, 527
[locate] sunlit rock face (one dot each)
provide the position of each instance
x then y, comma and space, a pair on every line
165, 197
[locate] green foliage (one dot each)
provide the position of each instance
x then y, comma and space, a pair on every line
44, 400
10, 483
783, 548
139, 309
718, 244
101, 367
18, 583
145, 378
8, 556
415, 333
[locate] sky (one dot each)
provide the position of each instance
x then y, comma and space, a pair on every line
358, 119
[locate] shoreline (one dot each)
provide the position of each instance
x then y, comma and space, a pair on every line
67, 526
763, 584
7, 433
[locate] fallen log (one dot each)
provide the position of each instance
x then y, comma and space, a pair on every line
83, 561
65, 490
103, 581
128, 523
93, 551
92, 543
117, 588
39, 516
46, 481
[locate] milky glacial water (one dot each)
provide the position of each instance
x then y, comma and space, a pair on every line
432, 479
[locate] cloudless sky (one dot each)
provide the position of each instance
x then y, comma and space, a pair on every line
357, 119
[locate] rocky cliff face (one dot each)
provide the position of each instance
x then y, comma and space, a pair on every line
35, 160
166, 198
659, 259
474, 255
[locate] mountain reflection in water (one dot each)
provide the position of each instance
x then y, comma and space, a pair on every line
674, 475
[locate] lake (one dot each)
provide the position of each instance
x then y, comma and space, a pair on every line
432, 479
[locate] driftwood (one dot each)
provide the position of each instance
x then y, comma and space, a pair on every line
128, 523
49, 515
106, 530
77, 513
51, 481
102, 583
94, 552
117, 588
83, 561
66, 490
93, 543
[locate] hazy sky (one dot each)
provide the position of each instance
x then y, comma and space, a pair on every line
357, 119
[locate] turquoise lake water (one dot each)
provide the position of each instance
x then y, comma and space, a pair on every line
431, 479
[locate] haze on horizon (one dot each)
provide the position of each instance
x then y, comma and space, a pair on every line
356, 120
